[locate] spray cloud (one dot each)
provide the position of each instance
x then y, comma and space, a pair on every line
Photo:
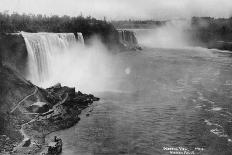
85, 67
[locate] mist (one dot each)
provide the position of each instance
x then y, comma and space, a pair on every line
172, 34
87, 68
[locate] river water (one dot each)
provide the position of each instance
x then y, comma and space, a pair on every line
165, 99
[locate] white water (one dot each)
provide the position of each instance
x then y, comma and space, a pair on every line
172, 34
61, 58
42, 47
127, 37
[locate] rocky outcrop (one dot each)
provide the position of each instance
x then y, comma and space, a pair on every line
13, 89
17, 95
63, 114
221, 45
13, 52
38, 107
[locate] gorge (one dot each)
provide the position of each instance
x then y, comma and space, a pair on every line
29, 56
167, 95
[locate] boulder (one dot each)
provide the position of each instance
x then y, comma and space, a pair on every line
26, 142
39, 107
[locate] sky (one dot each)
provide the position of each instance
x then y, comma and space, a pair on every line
122, 9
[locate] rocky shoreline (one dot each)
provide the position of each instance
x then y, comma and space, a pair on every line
61, 111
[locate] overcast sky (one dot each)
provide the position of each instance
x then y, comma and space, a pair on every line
123, 9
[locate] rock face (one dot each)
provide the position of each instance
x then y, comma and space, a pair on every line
26, 142
13, 52
38, 107
128, 40
66, 106
221, 45
13, 89
58, 108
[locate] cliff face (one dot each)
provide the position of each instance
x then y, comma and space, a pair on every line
212, 32
13, 88
17, 95
13, 51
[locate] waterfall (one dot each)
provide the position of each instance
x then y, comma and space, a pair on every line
41, 47
127, 37
80, 38
128, 40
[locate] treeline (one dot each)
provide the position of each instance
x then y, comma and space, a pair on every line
10, 23
136, 24
210, 29
212, 32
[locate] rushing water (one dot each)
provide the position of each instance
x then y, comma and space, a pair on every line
127, 37
166, 98
42, 47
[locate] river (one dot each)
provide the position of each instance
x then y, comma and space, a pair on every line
166, 99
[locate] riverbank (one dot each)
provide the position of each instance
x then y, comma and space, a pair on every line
28, 113
37, 136
62, 115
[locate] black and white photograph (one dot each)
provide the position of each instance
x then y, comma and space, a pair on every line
115, 77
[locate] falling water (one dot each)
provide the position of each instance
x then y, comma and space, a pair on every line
80, 38
42, 47
127, 37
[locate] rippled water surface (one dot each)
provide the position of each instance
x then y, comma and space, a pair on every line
166, 98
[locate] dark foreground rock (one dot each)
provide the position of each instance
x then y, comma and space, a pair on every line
221, 45
13, 51
19, 121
